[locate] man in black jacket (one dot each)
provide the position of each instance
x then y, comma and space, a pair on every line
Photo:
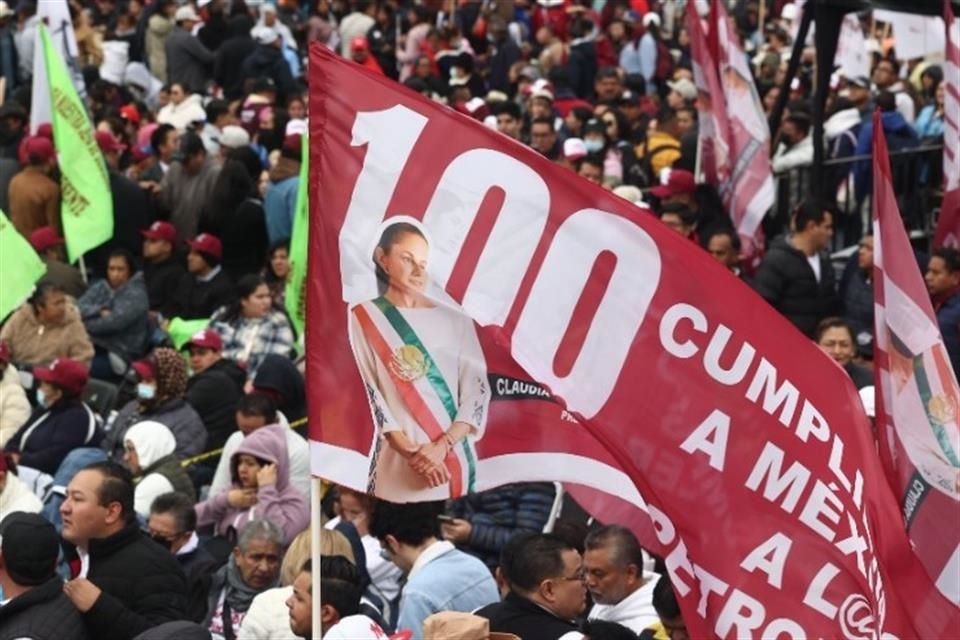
123, 582
267, 61
796, 276
36, 606
163, 270
211, 287
547, 592
228, 60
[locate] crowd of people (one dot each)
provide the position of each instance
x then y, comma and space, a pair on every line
156, 490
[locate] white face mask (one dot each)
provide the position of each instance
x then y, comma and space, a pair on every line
593, 145
146, 391
41, 399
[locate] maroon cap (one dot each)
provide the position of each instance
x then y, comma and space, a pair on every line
292, 143
45, 130
43, 238
38, 146
679, 182
206, 243
69, 375
161, 231
4, 352
108, 143
207, 339
144, 369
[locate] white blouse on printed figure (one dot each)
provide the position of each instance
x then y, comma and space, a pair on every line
452, 343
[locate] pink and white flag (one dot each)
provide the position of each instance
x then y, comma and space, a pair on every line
918, 412
948, 225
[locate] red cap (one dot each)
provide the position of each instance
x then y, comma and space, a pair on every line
292, 143
207, 339
37, 146
206, 243
69, 375
144, 369
359, 43
679, 182
130, 113
4, 352
161, 231
43, 238
45, 130
108, 143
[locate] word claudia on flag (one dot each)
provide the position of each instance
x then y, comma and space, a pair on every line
479, 316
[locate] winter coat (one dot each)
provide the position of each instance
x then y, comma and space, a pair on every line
582, 67
856, 295
281, 199
14, 406
280, 503
125, 330
184, 114
279, 375
199, 566
132, 213
929, 123
786, 280
142, 584
64, 276
214, 394
16, 496
841, 131
158, 29
267, 60
900, 136
166, 282
160, 470
188, 62
176, 414
228, 60
243, 232
526, 619
793, 157
499, 515
205, 297
34, 201
948, 317
184, 195
46, 439
33, 344
42, 613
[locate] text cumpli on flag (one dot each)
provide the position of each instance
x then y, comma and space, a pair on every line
55, 14
20, 265
295, 299
86, 204
948, 224
571, 337
918, 417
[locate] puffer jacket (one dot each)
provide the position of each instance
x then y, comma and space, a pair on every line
498, 515
124, 331
46, 439
176, 414
14, 406
33, 344
281, 503
42, 613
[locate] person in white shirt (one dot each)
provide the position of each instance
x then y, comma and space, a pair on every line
14, 494
621, 586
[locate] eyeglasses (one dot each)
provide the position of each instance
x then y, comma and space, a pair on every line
579, 576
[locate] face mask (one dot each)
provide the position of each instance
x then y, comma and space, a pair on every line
146, 391
41, 399
593, 145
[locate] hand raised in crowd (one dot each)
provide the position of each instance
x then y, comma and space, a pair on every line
267, 475
242, 498
82, 593
457, 531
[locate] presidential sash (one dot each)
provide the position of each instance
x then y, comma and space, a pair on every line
420, 384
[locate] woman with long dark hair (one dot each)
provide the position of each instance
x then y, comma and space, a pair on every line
235, 214
277, 270
252, 327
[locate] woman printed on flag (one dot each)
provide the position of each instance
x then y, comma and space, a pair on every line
425, 376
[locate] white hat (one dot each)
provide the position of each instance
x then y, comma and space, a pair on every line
266, 35
651, 18
789, 12
5, 10
295, 127
574, 149
234, 137
186, 12
490, 122
868, 396
202, 3
686, 89
267, 8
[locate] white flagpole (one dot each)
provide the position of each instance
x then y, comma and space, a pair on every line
315, 553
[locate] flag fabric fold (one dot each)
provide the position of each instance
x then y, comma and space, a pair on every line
86, 204
918, 412
948, 224
20, 265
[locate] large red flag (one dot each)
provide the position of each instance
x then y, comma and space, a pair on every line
948, 224
918, 416
478, 315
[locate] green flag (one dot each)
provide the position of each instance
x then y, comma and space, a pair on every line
181, 330
295, 293
86, 206
20, 265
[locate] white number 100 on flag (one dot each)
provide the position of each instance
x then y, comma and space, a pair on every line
390, 136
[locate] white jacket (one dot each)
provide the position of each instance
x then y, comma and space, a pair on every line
17, 496
636, 611
297, 449
267, 618
799, 155
14, 406
183, 114
152, 441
